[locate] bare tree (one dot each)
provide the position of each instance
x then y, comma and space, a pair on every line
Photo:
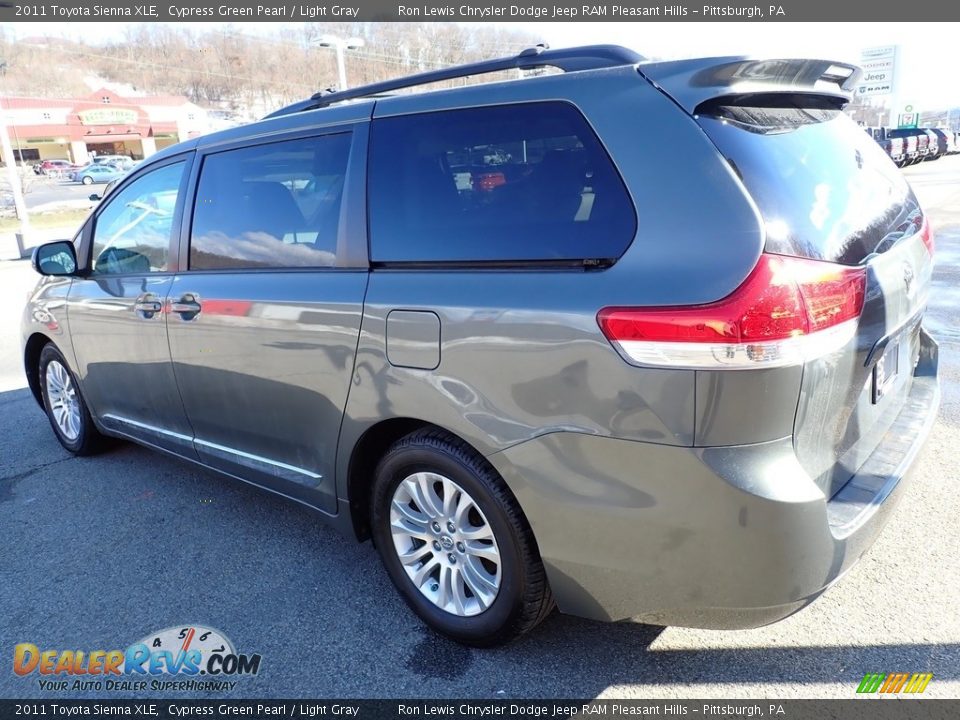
230, 68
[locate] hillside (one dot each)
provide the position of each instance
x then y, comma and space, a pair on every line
231, 68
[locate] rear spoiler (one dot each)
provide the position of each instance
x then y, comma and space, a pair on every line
693, 82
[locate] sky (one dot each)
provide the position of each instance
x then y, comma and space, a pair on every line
926, 50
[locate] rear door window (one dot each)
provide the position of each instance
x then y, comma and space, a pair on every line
825, 189
275, 205
526, 182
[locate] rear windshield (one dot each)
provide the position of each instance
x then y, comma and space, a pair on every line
825, 188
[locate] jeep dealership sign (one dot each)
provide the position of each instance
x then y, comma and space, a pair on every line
879, 66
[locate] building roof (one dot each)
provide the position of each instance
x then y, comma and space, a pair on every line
12, 103
161, 100
94, 98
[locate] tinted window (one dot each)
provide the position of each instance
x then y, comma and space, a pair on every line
507, 183
132, 233
275, 205
825, 189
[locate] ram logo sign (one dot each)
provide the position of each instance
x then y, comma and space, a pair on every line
879, 70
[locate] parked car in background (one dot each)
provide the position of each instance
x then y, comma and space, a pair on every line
937, 147
554, 383
122, 162
54, 167
910, 149
923, 144
944, 140
918, 143
97, 173
895, 147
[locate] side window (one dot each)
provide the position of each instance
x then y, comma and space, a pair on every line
526, 182
270, 206
132, 233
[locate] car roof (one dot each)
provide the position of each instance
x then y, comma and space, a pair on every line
687, 80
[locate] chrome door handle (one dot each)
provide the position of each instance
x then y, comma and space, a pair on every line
146, 306
187, 307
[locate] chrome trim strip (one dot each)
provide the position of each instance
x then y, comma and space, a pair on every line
905, 327
256, 462
149, 428
233, 454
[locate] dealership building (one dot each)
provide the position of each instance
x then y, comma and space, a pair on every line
102, 123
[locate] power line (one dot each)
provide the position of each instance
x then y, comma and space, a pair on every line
147, 63
412, 57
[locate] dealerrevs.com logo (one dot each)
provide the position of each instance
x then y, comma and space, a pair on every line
190, 657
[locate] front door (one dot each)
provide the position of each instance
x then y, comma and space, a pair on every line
116, 311
264, 322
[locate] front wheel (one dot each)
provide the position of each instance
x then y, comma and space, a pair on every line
65, 407
87, 180
455, 543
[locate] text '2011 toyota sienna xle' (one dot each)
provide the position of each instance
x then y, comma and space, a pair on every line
638, 339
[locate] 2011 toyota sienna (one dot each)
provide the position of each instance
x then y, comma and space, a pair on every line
639, 339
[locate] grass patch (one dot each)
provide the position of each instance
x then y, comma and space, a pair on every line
63, 218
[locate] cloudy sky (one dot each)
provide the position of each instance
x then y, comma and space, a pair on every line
926, 56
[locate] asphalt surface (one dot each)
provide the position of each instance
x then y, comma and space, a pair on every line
41, 191
97, 553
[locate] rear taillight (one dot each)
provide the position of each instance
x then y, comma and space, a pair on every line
926, 234
786, 311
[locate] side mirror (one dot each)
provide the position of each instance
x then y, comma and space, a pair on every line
56, 258
94, 197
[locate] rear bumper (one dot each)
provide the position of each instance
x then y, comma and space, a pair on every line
724, 537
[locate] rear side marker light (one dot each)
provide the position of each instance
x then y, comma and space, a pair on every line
926, 234
786, 312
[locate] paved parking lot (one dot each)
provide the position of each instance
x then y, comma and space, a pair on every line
96, 553
41, 191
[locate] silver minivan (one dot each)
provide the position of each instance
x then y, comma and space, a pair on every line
635, 340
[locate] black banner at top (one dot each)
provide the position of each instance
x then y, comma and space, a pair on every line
536, 709
476, 11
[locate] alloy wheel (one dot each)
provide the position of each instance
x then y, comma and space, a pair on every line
445, 544
64, 403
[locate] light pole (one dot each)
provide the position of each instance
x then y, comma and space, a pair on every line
340, 45
13, 177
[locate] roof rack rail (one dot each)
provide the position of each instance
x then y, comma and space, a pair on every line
589, 57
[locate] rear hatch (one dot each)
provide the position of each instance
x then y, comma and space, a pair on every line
826, 191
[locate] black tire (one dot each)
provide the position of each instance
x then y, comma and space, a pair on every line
89, 440
524, 599
87, 180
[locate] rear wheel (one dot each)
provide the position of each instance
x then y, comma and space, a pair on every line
455, 542
64, 405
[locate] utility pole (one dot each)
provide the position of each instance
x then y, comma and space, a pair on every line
13, 177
